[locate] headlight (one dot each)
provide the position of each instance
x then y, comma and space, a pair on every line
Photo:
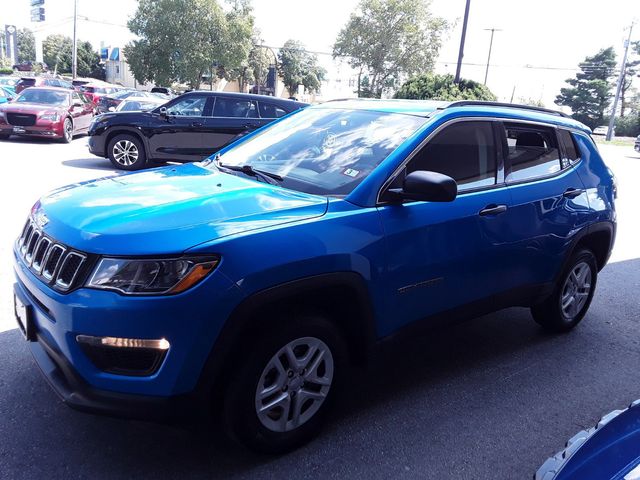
151, 276
52, 116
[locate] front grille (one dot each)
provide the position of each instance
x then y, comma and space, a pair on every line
21, 119
54, 263
124, 361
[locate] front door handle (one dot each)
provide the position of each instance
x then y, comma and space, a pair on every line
492, 209
572, 192
250, 125
196, 124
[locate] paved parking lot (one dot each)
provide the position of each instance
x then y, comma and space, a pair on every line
490, 399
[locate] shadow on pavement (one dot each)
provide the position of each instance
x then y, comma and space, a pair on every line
95, 163
471, 388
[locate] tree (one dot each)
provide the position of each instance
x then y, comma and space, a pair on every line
442, 87
591, 89
299, 67
216, 41
630, 72
57, 54
389, 40
26, 42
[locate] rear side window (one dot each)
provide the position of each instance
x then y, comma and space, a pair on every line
464, 151
269, 110
27, 82
230, 107
570, 148
532, 152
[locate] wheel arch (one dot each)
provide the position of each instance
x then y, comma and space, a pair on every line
111, 134
341, 296
599, 239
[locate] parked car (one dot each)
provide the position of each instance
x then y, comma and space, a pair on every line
637, 144
163, 91
9, 82
108, 103
6, 94
242, 285
186, 129
608, 451
28, 82
602, 130
29, 66
95, 91
140, 104
50, 112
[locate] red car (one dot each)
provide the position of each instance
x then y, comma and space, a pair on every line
46, 112
94, 91
28, 82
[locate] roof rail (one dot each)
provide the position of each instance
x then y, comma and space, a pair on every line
465, 103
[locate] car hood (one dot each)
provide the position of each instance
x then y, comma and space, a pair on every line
167, 210
33, 108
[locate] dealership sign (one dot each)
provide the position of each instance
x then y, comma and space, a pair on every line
11, 42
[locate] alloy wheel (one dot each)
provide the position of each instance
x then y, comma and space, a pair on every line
294, 384
125, 152
68, 130
576, 290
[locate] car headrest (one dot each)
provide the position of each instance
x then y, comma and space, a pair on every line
529, 139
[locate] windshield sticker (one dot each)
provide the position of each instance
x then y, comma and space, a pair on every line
350, 172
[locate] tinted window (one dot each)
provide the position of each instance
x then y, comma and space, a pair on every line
27, 82
464, 151
569, 145
191, 106
269, 110
231, 107
531, 151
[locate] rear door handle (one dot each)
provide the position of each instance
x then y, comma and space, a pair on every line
492, 209
572, 192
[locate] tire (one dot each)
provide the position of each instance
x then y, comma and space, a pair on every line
320, 352
570, 300
67, 131
4, 136
126, 152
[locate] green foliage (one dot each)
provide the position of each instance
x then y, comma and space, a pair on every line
6, 70
182, 40
388, 40
26, 45
299, 67
57, 54
628, 126
631, 71
591, 90
442, 87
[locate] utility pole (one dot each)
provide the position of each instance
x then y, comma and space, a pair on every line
464, 34
612, 120
74, 67
492, 30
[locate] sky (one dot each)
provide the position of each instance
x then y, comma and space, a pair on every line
538, 46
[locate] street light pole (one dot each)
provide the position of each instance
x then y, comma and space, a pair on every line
464, 34
74, 68
486, 72
612, 120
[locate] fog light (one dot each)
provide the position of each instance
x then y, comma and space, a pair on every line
161, 344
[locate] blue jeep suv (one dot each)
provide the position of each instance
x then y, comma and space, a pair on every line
242, 285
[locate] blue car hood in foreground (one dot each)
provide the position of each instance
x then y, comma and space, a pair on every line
168, 210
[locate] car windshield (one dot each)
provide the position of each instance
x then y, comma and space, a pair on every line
44, 97
324, 151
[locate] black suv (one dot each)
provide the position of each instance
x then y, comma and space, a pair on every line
186, 129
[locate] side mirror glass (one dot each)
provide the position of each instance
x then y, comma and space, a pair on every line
426, 187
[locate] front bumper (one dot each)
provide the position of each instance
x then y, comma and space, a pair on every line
97, 145
187, 321
47, 130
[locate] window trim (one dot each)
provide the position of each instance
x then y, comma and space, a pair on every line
564, 151
500, 177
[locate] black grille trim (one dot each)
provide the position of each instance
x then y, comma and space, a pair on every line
21, 119
55, 264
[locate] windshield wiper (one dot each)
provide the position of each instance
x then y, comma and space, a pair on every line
268, 177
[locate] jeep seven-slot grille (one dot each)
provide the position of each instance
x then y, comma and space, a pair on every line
54, 263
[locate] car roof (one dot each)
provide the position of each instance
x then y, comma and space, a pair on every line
54, 89
249, 96
431, 108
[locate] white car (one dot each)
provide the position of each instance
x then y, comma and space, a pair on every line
139, 104
602, 130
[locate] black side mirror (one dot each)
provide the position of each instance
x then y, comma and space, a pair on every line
163, 112
426, 187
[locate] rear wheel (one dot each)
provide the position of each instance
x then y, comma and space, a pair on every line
570, 300
126, 152
278, 399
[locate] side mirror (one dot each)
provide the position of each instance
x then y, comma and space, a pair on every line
426, 187
163, 112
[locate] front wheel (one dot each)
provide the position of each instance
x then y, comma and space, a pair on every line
126, 152
277, 400
570, 300
67, 131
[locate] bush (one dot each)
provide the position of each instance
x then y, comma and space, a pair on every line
628, 126
442, 87
6, 71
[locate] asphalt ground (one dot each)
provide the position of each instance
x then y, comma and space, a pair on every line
488, 399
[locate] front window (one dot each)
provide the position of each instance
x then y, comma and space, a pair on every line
324, 151
190, 106
43, 97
